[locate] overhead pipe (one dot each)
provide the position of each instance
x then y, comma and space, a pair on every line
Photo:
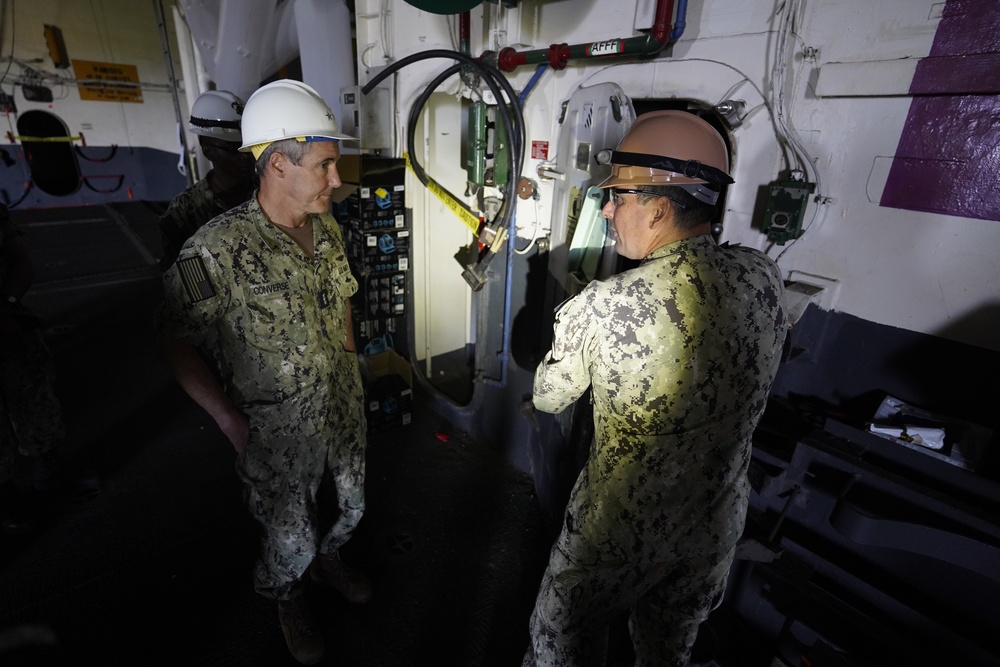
539, 71
505, 354
239, 40
468, 74
190, 170
558, 55
323, 38
194, 165
681, 21
464, 31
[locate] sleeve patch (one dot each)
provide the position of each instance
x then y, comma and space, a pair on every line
195, 278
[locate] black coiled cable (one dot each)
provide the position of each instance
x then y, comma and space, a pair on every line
511, 115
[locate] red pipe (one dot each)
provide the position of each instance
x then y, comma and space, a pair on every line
464, 31
661, 24
558, 55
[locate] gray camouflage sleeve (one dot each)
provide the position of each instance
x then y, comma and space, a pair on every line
564, 374
194, 296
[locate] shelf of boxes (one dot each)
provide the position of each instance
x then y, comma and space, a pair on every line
374, 221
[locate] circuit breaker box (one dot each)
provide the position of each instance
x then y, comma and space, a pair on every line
786, 207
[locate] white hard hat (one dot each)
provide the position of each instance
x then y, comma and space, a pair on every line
287, 109
216, 113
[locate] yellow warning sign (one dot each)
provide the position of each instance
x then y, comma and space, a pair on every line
468, 218
107, 82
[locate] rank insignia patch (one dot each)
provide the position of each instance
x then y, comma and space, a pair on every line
195, 278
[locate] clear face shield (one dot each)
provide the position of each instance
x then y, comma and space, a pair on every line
701, 180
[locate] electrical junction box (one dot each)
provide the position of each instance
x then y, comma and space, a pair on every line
488, 160
369, 117
374, 222
786, 207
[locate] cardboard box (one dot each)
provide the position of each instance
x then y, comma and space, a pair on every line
379, 203
378, 207
388, 391
376, 335
387, 251
349, 168
384, 295
378, 252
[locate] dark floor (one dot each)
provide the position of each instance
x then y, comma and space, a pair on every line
156, 569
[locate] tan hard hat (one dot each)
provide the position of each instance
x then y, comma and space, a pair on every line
670, 148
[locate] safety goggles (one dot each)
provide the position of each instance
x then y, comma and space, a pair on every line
614, 193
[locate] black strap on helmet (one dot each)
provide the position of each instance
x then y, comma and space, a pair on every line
689, 168
208, 122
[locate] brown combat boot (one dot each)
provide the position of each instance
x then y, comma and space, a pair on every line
330, 570
301, 634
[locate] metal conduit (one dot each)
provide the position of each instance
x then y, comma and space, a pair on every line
161, 25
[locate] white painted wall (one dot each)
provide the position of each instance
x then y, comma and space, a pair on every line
917, 271
443, 314
115, 31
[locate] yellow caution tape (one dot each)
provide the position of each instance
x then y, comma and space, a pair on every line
468, 218
48, 139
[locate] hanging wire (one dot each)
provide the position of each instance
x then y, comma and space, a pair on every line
385, 27
790, 11
534, 234
454, 30
779, 81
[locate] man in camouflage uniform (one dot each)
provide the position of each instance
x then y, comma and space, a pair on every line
680, 354
31, 424
271, 275
215, 120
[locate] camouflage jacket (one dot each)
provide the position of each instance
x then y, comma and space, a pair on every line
680, 353
184, 215
280, 316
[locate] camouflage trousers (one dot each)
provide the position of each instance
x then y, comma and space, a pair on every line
666, 603
31, 423
309, 511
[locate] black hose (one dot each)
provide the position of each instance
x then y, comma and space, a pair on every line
497, 82
79, 151
415, 110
